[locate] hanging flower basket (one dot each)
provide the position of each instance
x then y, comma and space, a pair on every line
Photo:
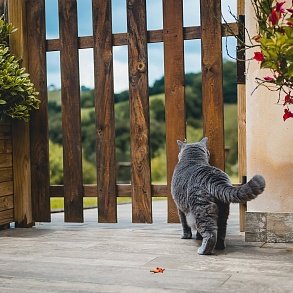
275, 42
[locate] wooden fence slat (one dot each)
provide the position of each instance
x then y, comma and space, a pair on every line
104, 97
71, 116
212, 88
139, 112
39, 119
174, 89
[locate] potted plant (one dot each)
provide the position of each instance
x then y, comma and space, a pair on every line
18, 96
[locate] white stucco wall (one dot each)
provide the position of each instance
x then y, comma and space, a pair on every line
269, 139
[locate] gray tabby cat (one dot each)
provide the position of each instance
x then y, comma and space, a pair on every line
203, 193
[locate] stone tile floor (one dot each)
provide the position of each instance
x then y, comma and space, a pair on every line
91, 257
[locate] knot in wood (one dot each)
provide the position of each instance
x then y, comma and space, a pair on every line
141, 66
130, 4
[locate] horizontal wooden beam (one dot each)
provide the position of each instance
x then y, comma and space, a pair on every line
123, 190
153, 36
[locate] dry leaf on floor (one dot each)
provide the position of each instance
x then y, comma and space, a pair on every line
157, 270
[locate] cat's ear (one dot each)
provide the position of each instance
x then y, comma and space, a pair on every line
180, 143
204, 141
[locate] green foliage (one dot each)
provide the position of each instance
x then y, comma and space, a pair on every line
157, 124
5, 30
56, 166
87, 99
55, 122
18, 96
56, 163
159, 166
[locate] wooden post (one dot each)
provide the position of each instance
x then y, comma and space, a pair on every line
71, 116
212, 85
139, 112
241, 106
104, 97
174, 90
39, 119
20, 130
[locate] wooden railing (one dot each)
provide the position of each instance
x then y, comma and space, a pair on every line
137, 37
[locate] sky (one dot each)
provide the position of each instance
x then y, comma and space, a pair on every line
191, 17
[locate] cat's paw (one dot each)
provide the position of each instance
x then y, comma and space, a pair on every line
207, 246
186, 235
220, 245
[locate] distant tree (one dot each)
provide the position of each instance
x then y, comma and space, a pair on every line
158, 87
56, 166
55, 122
121, 97
87, 98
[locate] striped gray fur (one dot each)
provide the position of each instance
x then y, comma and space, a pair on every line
203, 193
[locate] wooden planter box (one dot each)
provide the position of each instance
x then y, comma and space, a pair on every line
6, 176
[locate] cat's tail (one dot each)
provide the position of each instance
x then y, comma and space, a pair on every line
245, 192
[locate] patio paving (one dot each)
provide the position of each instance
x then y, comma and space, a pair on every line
91, 257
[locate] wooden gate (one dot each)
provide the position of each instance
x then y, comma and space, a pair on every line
137, 37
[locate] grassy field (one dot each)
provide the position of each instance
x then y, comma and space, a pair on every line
57, 203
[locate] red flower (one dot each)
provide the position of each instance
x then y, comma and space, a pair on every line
290, 23
279, 7
290, 10
287, 114
288, 99
258, 56
268, 78
274, 17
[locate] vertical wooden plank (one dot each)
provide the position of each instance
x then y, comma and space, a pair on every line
212, 80
21, 136
39, 120
70, 95
1, 7
104, 97
139, 112
241, 107
174, 90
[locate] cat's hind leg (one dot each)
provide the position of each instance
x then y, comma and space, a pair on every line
206, 215
198, 236
224, 209
187, 234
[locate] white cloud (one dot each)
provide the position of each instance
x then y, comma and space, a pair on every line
120, 75
86, 67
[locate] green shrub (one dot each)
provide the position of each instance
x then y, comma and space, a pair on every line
18, 96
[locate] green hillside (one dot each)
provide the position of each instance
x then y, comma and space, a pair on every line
157, 127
